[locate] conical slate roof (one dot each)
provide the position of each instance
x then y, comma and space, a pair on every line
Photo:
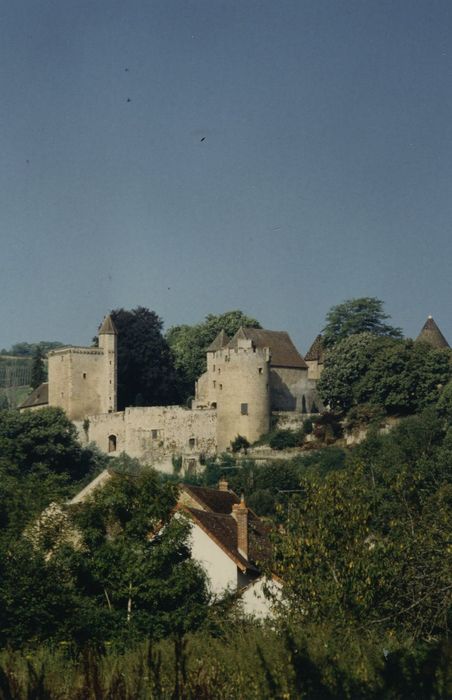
432, 335
220, 342
108, 327
315, 352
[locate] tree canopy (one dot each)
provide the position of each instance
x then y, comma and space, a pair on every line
38, 370
353, 316
399, 375
189, 343
146, 372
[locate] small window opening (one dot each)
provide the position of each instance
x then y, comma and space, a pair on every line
221, 386
192, 442
112, 443
219, 370
154, 434
260, 370
214, 383
84, 375
214, 368
244, 409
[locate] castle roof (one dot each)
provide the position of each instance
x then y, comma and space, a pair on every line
108, 327
432, 335
283, 351
220, 342
316, 351
38, 397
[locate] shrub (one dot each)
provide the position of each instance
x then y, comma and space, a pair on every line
307, 426
240, 443
282, 439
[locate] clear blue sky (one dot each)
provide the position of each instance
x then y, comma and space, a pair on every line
325, 173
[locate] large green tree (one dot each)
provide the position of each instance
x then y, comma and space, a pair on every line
146, 372
353, 316
189, 343
368, 546
399, 375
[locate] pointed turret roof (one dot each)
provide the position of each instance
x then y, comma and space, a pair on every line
316, 351
108, 327
220, 342
432, 335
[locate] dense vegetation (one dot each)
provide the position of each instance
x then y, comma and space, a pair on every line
102, 599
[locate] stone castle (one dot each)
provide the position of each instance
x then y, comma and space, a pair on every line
251, 377
248, 378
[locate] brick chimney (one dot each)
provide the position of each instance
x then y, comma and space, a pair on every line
223, 485
240, 513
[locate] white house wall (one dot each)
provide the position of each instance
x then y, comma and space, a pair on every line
220, 569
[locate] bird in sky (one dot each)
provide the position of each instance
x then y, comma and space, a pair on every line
203, 139
129, 100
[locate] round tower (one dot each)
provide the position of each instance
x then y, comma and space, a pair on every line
243, 392
108, 337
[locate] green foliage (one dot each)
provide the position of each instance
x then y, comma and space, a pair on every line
283, 439
239, 443
308, 426
364, 415
368, 545
356, 316
189, 343
400, 376
29, 349
146, 372
38, 371
244, 661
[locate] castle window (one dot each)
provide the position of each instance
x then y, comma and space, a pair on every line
214, 383
221, 386
214, 368
192, 442
154, 434
244, 409
219, 370
84, 375
213, 404
112, 443
260, 370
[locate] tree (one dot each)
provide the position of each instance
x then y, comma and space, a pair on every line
134, 563
367, 547
363, 315
146, 372
401, 376
189, 343
38, 370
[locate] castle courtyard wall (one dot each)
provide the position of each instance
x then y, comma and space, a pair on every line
154, 434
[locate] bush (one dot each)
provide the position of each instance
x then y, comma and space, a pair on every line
363, 415
308, 426
240, 443
283, 439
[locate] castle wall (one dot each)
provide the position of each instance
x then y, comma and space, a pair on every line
154, 434
314, 369
77, 381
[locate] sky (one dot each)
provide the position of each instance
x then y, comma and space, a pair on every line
198, 156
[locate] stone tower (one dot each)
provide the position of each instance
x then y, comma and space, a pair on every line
108, 344
242, 387
431, 334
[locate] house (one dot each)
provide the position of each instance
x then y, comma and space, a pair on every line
231, 543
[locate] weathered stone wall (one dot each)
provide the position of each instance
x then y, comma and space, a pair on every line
243, 393
77, 381
154, 434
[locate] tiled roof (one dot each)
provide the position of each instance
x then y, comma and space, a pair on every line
432, 335
220, 342
223, 530
212, 500
38, 397
108, 327
283, 351
316, 352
